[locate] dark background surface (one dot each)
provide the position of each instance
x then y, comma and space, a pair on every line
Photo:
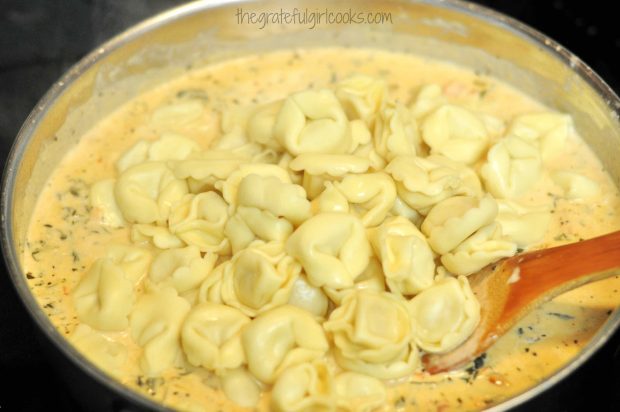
41, 39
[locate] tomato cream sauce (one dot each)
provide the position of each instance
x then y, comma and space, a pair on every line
66, 236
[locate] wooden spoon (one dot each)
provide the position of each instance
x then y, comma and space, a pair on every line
510, 288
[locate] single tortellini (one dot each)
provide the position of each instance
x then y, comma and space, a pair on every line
453, 220
271, 194
429, 98
103, 201
146, 192
482, 248
407, 260
181, 115
362, 97
372, 335
155, 325
423, 182
104, 352
330, 200
230, 187
332, 248
444, 315
371, 278
211, 337
241, 387
308, 297
576, 185
200, 220
400, 208
357, 392
104, 296
169, 146
183, 269
396, 133
249, 224
548, 130
456, 133
312, 122
512, 168
522, 225
202, 170
321, 168
259, 278
158, 236
260, 125
134, 260
307, 387
280, 338
371, 196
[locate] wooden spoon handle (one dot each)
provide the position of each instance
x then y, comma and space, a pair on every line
547, 273
511, 288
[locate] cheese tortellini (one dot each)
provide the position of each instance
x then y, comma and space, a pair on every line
453, 220
456, 133
407, 259
372, 335
280, 338
332, 248
319, 246
211, 336
104, 296
444, 315
155, 325
312, 122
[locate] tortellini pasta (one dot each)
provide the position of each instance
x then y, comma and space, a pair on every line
104, 296
546, 129
183, 269
313, 387
257, 279
371, 278
312, 122
575, 185
513, 167
332, 248
308, 297
318, 244
456, 133
146, 192
407, 260
482, 248
200, 220
362, 97
522, 225
372, 335
304, 388
211, 337
102, 198
396, 133
169, 146
444, 315
103, 351
453, 220
357, 392
155, 325
249, 224
282, 337
423, 182
158, 236
321, 168
371, 195
271, 194
134, 260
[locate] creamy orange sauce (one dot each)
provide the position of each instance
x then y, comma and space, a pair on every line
65, 235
